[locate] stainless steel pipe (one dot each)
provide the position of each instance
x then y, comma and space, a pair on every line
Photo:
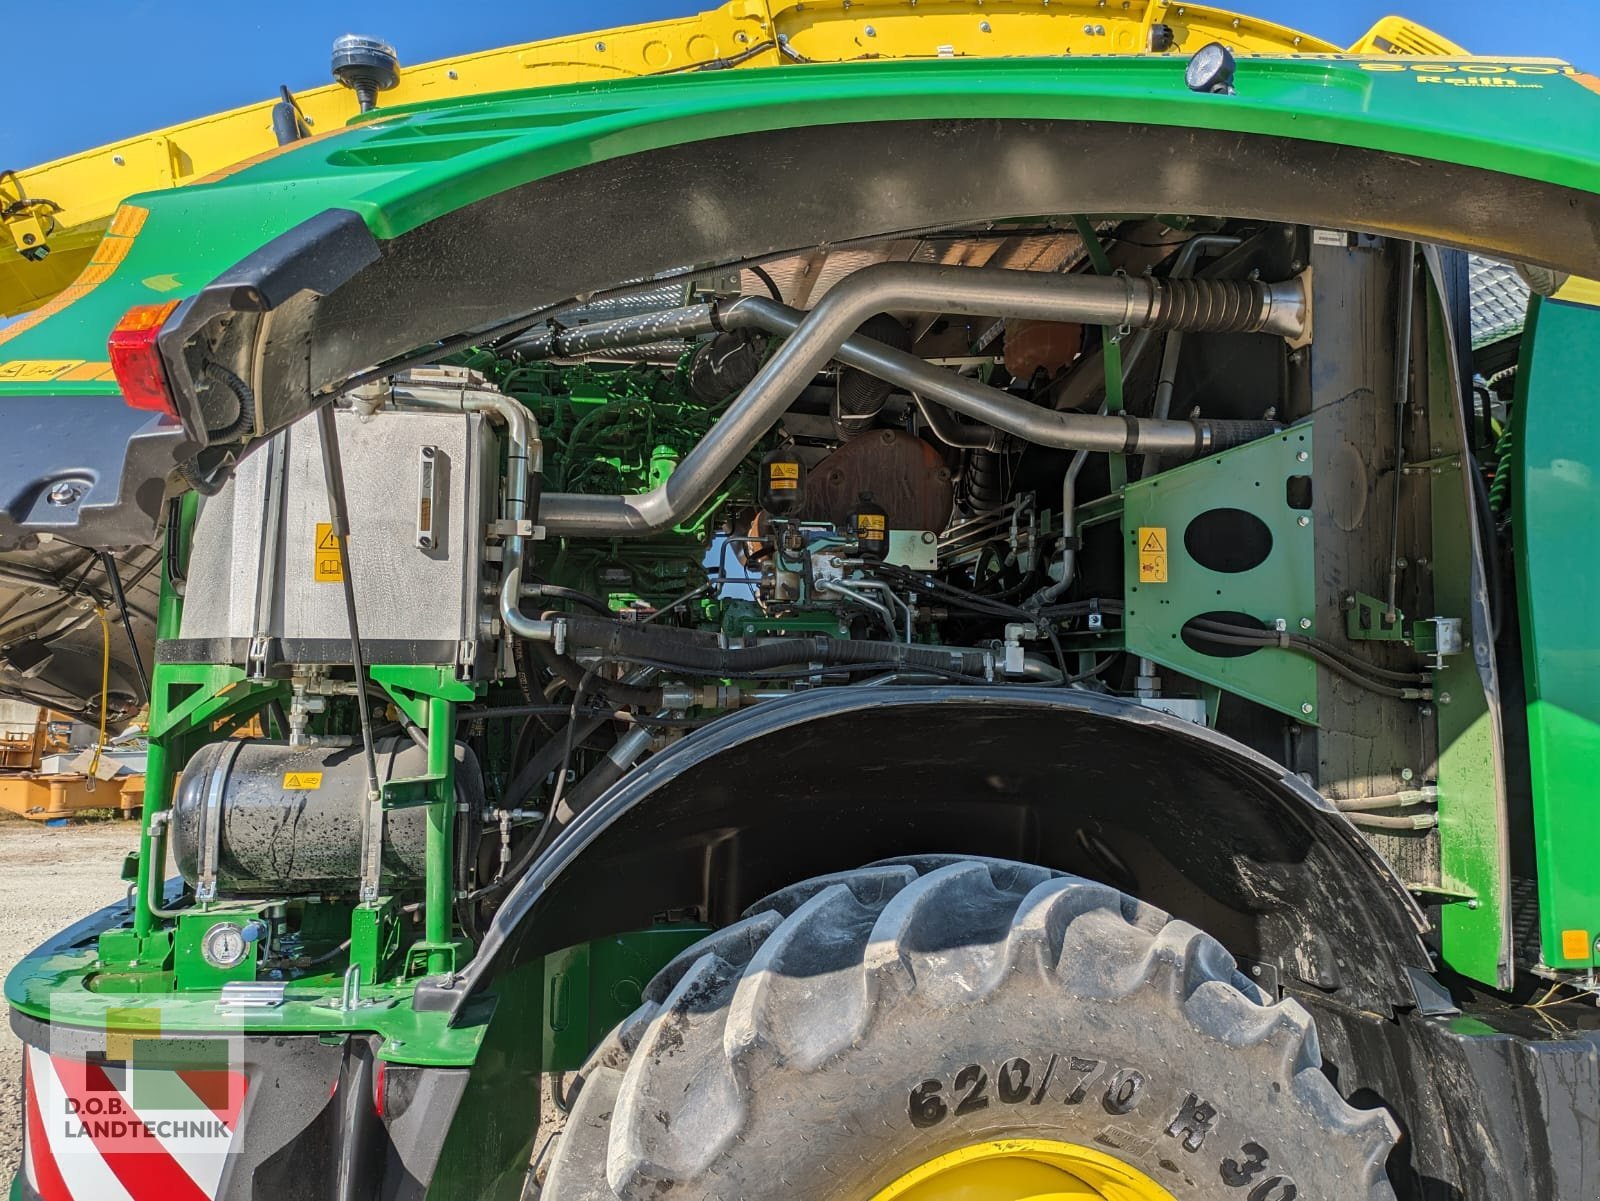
826, 333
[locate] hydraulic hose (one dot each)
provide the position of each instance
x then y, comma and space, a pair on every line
1219, 306
615, 692
702, 654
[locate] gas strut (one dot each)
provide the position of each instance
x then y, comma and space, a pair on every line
339, 518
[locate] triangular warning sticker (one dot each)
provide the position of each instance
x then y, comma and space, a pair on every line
325, 538
1153, 543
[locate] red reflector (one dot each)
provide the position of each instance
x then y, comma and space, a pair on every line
136, 360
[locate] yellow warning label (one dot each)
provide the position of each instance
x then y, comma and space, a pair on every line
302, 781
870, 523
1575, 944
779, 483
326, 565
1152, 554
784, 471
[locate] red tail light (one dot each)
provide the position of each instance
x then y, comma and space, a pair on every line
137, 361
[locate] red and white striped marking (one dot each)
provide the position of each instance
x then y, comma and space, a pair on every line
108, 1132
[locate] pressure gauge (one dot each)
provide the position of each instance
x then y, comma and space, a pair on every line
226, 945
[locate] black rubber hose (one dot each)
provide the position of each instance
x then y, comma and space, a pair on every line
702, 654
471, 797
615, 693
576, 595
546, 759
245, 420
1333, 664
859, 397
982, 481
761, 273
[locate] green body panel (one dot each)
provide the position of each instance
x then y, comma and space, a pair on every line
189, 968
1253, 478
1474, 933
1556, 497
401, 167
591, 987
55, 988
491, 1137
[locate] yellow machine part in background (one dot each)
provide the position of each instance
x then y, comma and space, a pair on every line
52, 216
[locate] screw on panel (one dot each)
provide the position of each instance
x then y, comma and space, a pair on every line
1407, 774
118, 159
600, 46
65, 493
1308, 708
983, 27
1302, 521
1301, 456
1305, 623
1444, 698
870, 32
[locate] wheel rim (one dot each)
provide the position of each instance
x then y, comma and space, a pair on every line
1023, 1169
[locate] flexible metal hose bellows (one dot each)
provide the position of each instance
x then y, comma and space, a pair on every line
1223, 306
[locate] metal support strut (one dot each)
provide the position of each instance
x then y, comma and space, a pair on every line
339, 518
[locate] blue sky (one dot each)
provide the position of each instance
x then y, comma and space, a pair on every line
105, 70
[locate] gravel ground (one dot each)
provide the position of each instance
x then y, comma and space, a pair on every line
48, 880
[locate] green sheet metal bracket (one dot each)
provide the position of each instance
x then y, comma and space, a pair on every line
1189, 534
1368, 619
428, 696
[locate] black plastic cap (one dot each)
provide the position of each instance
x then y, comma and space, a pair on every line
1211, 70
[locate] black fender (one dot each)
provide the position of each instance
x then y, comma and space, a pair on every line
1177, 814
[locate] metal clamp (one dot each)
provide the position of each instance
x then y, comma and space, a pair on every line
205, 889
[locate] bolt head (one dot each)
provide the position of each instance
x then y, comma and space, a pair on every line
1407, 774
1302, 522
983, 27
67, 492
1305, 623
870, 32
1301, 456
1308, 708
1444, 698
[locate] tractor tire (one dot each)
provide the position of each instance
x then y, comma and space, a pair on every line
859, 1032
